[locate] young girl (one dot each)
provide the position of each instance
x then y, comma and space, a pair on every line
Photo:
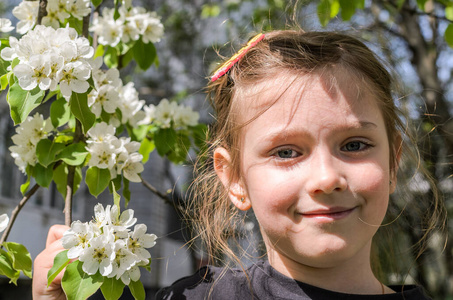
308, 136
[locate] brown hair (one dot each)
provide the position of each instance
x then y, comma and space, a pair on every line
295, 52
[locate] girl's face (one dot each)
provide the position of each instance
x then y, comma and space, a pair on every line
315, 170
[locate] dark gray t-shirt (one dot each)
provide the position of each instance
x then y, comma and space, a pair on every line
264, 282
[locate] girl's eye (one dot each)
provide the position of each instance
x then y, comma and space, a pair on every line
355, 146
286, 153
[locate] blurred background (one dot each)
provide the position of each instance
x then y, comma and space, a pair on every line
411, 36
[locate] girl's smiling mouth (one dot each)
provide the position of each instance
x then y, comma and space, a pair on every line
329, 214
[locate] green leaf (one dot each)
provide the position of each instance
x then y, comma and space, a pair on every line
181, 148
60, 176
4, 42
449, 13
59, 112
360, 4
24, 187
80, 109
43, 175
15, 62
99, 50
347, 9
449, 35
199, 135
116, 196
146, 147
3, 67
334, 8
112, 288
111, 57
126, 58
97, 180
137, 290
78, 285
165, 140
96, 3
22, 102
20, 257
59, 263
46, 151
421, 4
4, 82
74, 154
323, 11
126, 192
144, 54
116, 182
6, 267
210, 11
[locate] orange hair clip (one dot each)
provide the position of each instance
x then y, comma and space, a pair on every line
235, 58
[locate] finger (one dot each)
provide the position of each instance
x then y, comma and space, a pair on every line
55, 233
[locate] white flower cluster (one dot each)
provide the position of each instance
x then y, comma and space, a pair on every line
108, 245
27, 13
50, 57
169, 114
5, 25
27, 136
57, 12
133, 23
119, 155
4, 219
110, 94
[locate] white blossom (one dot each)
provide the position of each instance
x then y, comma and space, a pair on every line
107, 245
5, 25
27, 13
105, 98
132, 274
27, 136
103, 155
77, 239
99, 255
153, 29
73, 78
124, 260
4, 220
132, 167
121, 221
100, 132
139, 240
36, 72
79, 8
48, 57
133, 23
164, 113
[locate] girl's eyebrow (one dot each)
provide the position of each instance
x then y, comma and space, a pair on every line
276, 133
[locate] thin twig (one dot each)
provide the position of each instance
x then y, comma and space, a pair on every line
68, 198
78, 136
42, 12
16, 211
163, 196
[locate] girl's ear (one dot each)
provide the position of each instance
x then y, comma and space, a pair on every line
397, 150
236, 191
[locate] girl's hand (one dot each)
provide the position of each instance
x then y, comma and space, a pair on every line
44, 262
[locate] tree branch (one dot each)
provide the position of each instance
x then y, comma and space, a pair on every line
16, 211
42, 12
163, 196
78, 136
414, 11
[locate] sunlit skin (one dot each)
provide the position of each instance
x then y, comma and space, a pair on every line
315, 169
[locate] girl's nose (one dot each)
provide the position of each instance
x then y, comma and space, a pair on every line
326, 175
